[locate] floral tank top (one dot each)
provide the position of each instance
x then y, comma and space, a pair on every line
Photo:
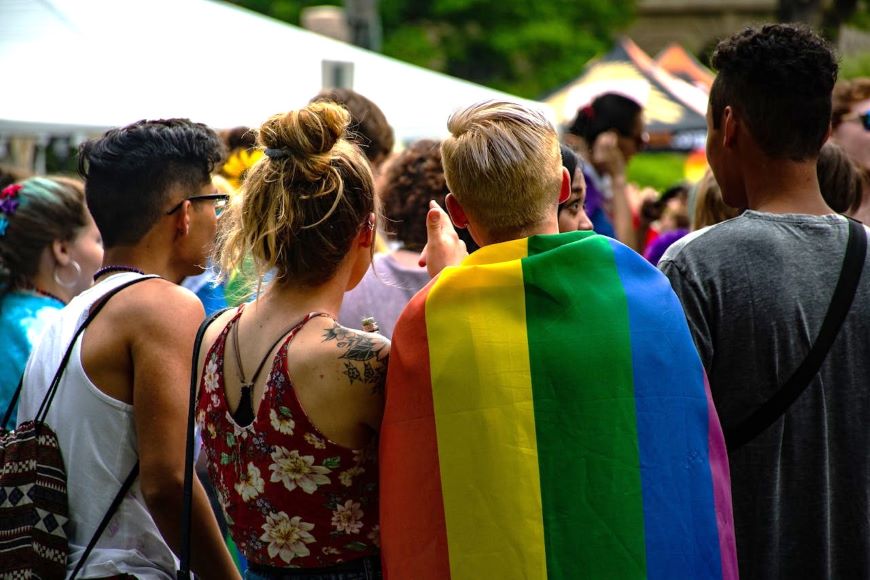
292, 498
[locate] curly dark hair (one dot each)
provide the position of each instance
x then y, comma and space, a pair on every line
412, 178
779, 80
129, 173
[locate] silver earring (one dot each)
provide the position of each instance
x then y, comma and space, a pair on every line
65, 283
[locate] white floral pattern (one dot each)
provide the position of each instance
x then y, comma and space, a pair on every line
210, 378
287, 537
346, 476
315, 441
282, 423
346, 518
294, 470
251, 484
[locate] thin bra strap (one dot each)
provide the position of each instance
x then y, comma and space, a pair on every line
235, 331
292, 330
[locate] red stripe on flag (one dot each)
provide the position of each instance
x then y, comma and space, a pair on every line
413, 530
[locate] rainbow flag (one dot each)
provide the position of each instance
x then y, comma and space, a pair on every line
548, 417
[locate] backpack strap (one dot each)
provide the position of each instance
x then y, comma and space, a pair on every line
95, 309
841, 302
116, 503
184, 560
7, 416
49, 396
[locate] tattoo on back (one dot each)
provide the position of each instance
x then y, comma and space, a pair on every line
364, 359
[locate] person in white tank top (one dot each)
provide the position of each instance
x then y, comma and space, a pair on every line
124, 393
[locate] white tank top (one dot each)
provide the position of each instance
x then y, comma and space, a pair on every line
98, 441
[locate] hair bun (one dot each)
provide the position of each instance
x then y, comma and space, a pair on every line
310, 131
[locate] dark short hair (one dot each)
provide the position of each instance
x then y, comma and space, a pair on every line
368, 124
412, 178
130, 172
779, 80
608, 112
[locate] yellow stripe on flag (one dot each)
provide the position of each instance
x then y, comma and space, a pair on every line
486, 428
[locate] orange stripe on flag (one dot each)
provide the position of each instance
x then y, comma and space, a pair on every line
413, 531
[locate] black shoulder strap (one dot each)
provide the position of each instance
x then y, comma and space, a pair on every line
7, 416
841, 302
46, 403
187, 510
116, 503
95, 309
49, 395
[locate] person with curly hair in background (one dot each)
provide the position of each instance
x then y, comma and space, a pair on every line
606, 134
411, 180
290, 401
50, 248
756, 289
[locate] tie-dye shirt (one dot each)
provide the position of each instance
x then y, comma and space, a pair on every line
23, 317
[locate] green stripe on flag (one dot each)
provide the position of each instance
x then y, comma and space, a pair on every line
583, 390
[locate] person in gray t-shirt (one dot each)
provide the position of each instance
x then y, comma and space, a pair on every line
756, 289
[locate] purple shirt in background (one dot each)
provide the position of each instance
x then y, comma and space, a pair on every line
657, 248
382, 296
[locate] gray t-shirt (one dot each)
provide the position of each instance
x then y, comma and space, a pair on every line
755, 290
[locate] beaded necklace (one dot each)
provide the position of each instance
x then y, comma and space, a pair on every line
42, 292
108, 269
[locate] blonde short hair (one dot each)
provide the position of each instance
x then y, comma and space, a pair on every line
503, 165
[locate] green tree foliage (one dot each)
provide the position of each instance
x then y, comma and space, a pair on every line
522, 47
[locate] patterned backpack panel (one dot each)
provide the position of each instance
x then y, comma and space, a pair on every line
34, 513
34, 510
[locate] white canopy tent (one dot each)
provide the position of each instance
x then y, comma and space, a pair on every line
82, 66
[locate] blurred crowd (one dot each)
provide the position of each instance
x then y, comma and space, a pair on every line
365, 299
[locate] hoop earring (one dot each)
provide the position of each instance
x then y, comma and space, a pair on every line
69, 284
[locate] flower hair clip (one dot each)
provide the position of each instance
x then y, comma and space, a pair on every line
9, 203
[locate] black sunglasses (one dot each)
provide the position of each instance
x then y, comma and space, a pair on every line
220, 201
863, 117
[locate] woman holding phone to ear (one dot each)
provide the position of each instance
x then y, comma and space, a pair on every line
290, 402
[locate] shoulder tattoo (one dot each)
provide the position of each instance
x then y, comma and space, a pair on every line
364, 358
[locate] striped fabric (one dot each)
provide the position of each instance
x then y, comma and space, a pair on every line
548, 417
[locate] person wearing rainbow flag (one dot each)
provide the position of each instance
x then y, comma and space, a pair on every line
547, 413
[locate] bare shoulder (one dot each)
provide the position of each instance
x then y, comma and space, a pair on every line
360, 357
159, 304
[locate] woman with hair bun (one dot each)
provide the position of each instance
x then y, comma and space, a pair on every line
50, 248
607, 133
290, 402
